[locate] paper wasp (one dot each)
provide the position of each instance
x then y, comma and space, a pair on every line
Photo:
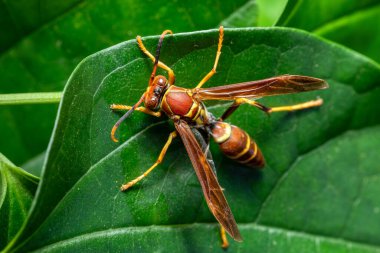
185, 107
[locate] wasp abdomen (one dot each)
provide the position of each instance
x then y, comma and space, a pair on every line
236, 144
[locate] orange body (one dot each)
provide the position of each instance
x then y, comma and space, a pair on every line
178, 102
236, 144
175, 102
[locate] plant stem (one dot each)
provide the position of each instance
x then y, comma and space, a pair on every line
30, 98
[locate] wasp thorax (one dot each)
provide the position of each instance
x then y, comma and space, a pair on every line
155, 92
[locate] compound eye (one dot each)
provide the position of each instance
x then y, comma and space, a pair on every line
157, 91
151, 102
161, 81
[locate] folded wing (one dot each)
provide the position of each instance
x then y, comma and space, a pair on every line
211, 189
284, 84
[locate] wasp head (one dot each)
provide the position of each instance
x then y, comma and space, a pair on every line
155, 92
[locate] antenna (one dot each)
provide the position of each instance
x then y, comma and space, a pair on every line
158, 55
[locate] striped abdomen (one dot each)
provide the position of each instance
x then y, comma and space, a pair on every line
236, 144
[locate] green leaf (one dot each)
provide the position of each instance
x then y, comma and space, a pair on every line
34, 166
354, 24
17, 189
310, 15
270, 11
245, 16
352, 207
203, 238
79, 205
19, 18
359, 31
256, 13
64, 34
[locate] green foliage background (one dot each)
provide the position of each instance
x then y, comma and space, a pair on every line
318, 193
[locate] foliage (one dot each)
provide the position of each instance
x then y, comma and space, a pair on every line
318, 192
16, 195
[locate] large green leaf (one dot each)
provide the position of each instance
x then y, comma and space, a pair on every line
43, 60
20, 18
359, 31
256, 13
34, 166
307, 194
354, 24
310, 15
17, 189
270, 11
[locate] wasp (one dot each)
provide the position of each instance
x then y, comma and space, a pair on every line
186, 109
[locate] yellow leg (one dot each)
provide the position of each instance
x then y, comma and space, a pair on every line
309, 104
160, 64
223, 236
236, 105
239, 101
172, 135
213, 71
140, 109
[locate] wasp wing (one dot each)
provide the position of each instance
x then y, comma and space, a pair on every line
203, 140
211, 189
278, 85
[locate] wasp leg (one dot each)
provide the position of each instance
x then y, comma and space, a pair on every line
301, 106
289, 108
213, 70
223, 236
229, 111
143, 109
160, 64
172, 135
236, 105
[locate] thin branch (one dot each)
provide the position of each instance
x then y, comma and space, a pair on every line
30, 98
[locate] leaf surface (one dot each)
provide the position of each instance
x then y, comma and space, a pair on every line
311, 191
45, 41
17, 189
354, 24
359, 31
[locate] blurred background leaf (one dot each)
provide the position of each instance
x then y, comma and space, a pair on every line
318, 188
359, 31
34, 165
17, 189
355, 24
19, 18
256, 13
44, 42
